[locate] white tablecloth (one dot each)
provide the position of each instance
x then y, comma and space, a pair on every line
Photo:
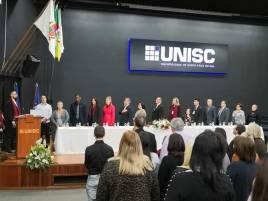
74, 140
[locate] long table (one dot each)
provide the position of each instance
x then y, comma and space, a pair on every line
74, 140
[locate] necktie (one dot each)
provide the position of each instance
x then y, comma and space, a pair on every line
77, 111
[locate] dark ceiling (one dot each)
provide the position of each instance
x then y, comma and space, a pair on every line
249, 9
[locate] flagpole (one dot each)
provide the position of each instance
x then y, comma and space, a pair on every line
51, 79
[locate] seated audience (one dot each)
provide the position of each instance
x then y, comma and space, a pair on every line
253, 132
108, 112
260, 186
226, 159
60, 116
177, 126
238, 116
139, 123
254, 115
94, 113
242, 172
145, 141
175, 157
141, 111
129, 175
238, 130
96, 156
174, 109
205, 181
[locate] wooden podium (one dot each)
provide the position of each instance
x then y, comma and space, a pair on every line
28, 132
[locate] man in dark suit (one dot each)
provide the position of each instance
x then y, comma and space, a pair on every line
12, 110
139, 123
125, 113
198, 113
211, 112
158, 111
223, 114
77, 112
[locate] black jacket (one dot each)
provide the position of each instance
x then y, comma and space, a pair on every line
82, 114
125, 117
224, 116
96, 118
158, 113
198, 115
96, 156
9, 114
254, 117
153, 146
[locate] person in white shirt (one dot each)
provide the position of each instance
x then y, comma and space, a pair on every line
45, 110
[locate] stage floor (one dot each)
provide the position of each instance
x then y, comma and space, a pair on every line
67, 171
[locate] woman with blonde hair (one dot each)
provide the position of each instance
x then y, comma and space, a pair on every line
108, 112
129, 175
174, 109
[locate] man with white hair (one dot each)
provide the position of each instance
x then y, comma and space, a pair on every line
177, 126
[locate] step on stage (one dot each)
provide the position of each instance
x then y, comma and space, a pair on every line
67, 171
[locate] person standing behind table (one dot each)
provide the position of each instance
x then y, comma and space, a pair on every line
141, 111
242, 172
158, 112
174, 109
205, 181
96, 156
188, 117
12, 110
60, 116
46, 111
198, 114
175, 157
108, 112
223, 114
93, 112
129, 175
211, 112
77, 112
2, 127
125, 113
254, 115
238, 116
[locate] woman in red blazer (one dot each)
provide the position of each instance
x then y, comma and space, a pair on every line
174, 109
108, 112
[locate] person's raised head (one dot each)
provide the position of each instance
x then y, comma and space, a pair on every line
177, 124
207, 157
245, 149
239, 129
13, 94
59, 105
176, 101
223, 103
99, 132
238, 106
141, 106
94, 101
43, 99
139, 121
127, 101
176, 144
209, 102
196, 102
108, 100
254, 107
158, 100
132, 161
77, 98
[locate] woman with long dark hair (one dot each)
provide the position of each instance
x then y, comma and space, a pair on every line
93, 112
205, 181
175, 157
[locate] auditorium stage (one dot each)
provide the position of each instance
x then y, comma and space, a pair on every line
67, 171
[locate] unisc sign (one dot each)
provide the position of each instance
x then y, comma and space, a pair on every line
179, 57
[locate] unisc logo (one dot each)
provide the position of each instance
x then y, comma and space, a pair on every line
179, 54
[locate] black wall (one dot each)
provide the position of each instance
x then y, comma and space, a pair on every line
95, 60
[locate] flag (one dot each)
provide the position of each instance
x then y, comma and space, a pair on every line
16, 88
59, 34
36, 95
50, 24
